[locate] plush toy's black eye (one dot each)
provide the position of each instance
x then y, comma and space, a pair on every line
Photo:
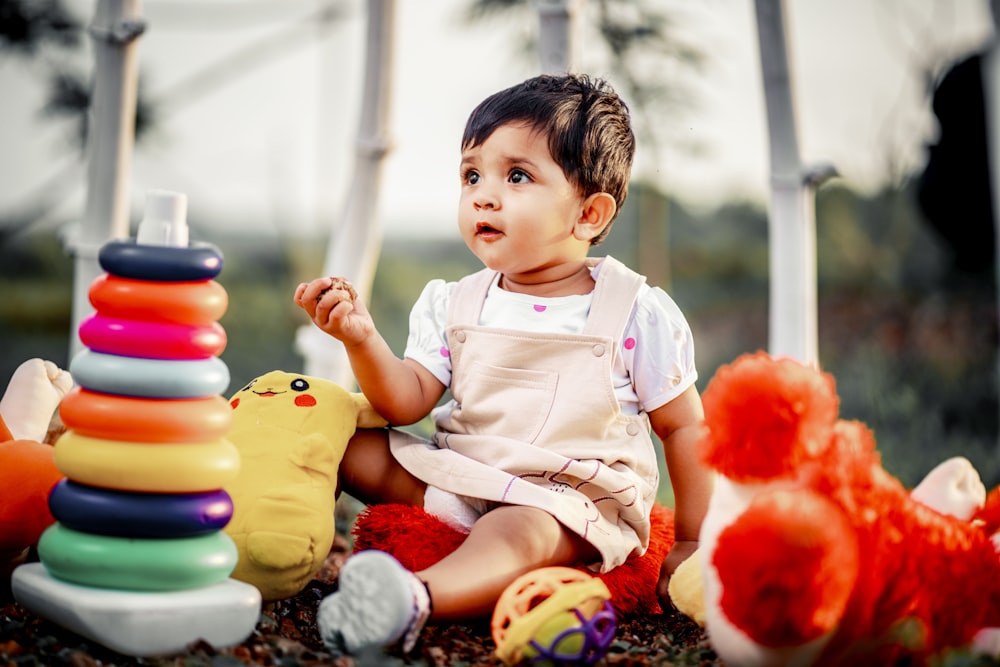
299, 384
252, 383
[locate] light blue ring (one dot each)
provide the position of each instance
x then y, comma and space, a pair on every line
149, 378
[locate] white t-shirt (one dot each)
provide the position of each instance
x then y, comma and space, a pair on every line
654, 365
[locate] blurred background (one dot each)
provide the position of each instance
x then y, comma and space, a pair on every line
251, 107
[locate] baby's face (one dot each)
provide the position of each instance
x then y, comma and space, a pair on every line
517, 210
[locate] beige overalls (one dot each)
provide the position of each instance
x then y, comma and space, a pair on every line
535, 421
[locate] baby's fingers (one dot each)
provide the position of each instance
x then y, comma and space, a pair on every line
299, 291
341, 287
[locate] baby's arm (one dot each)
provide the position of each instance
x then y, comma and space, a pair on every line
401, 391
678, 425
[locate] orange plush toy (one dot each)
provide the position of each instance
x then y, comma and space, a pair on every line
27, 474
27, 469
813, 554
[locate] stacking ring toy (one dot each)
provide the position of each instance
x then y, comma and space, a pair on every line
152, 340
172, 420
101, 561
128, 259
135, 466
123, 514
200, 302
149, 378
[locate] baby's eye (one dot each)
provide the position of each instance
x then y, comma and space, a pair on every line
519, 176
470, 177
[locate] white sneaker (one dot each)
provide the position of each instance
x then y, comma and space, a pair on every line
378, 603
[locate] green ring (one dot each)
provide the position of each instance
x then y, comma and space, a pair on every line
102, 561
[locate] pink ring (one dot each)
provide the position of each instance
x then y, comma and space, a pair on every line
196, 302
152, 420
152, 340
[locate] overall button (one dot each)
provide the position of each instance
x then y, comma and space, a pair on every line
598, 350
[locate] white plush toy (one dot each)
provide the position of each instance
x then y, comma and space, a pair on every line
33, 394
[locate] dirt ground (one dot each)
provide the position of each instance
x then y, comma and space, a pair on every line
286, 636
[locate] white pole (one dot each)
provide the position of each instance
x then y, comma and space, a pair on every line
115, 28
355, 245
557, 40
792, 244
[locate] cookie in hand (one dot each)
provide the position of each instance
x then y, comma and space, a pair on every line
339, 284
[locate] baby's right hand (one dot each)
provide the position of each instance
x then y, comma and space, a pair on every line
333, 305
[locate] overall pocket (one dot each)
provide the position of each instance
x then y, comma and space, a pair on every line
512, 402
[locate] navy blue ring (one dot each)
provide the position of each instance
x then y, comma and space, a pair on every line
90, 509
128, 259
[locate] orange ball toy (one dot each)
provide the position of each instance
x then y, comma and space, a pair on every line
553, 617
27, 475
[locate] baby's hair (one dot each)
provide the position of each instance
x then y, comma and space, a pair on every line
588, 127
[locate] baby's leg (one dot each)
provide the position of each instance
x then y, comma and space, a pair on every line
503, 544
381, 603
370, 473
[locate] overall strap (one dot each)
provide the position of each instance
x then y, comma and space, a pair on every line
467, 297
614, 298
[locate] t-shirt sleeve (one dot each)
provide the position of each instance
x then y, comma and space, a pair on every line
426, 343
662, 348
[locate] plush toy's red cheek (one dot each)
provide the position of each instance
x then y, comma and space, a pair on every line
235, 403
305, 401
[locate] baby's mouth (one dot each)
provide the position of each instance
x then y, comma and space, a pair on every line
485, 229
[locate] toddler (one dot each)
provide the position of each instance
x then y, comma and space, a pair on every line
558, 366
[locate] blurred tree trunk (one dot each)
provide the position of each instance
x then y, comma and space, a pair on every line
557, 43
654, 237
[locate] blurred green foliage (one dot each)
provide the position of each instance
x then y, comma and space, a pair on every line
911, 345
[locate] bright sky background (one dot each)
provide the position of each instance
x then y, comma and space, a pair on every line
271, 147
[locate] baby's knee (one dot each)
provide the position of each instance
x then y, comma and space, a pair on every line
370, 473
530, 531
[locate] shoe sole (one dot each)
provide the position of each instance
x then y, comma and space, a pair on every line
386, 612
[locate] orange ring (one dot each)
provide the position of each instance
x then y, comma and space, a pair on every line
195, 302
191, 467
149, 420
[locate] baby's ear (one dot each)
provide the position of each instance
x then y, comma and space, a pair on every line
598, 210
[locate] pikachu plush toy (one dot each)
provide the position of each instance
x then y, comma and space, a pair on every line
291, 431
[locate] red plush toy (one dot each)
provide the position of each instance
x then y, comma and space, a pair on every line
813, 554
418, 540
